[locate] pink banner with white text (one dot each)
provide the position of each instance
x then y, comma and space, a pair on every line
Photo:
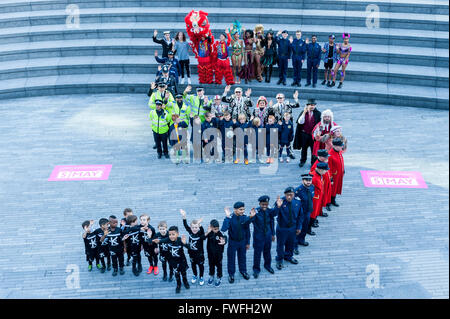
80, 173
393, 179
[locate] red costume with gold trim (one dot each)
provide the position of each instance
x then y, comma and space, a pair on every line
327, 186
221, 63
202, 40
318, 183
337, 169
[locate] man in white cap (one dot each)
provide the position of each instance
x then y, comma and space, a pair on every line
282, 106
217, 107
238, 103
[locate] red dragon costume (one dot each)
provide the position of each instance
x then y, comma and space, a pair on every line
202, 43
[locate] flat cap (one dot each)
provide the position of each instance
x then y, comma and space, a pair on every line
322, 165
322, 153
337, 142
289, 189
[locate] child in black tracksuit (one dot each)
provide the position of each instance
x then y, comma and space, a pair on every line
195, 250
226, 131
103, 248
133, 237
286, 136
215, 247
149, 248
163, 250
124, 226
90, 244
114, 236
175, 256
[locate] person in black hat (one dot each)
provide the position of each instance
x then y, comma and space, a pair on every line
289, 217
263, 235
322, 157
237, 225
166, 42
164, 76
306, 122
170, 60
317, 181
215, 244
284, 54
160, 120
314, 52
329, 57
306, 193
337, 169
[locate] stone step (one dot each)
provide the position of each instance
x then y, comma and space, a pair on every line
227, 15
128, 64
377, 93
399, 37
138, 46
409, 6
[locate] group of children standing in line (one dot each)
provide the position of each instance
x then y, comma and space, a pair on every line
296, 214
231, 117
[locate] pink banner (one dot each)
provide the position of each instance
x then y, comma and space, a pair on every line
393, 179
80, 173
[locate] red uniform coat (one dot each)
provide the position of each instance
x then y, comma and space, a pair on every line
336, 164
317, 133
326, 199
317, 181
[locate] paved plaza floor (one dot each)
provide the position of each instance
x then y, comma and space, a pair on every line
399, 234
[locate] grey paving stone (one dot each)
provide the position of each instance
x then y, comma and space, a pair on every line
371, 227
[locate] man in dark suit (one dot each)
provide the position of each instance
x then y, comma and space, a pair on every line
308, 118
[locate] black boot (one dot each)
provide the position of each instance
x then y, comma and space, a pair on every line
333, 201
333, 84
135, 270
324, 81
185, 282
340, 85
328, 207
310, 232
178, 289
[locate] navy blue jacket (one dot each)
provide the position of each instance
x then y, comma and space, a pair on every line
298, 48
176, 66
258, 222
269, 127
283, 218
223, 126
213, 124
314, 52
237, 227
243, 126
306, 195
284, 47
181, 126
286, 132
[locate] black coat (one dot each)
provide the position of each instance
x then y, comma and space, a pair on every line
298, 131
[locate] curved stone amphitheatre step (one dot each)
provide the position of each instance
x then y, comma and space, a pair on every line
408, 55
404, 62
357, 71
377, 93
420, 38
416, 21
407, 6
